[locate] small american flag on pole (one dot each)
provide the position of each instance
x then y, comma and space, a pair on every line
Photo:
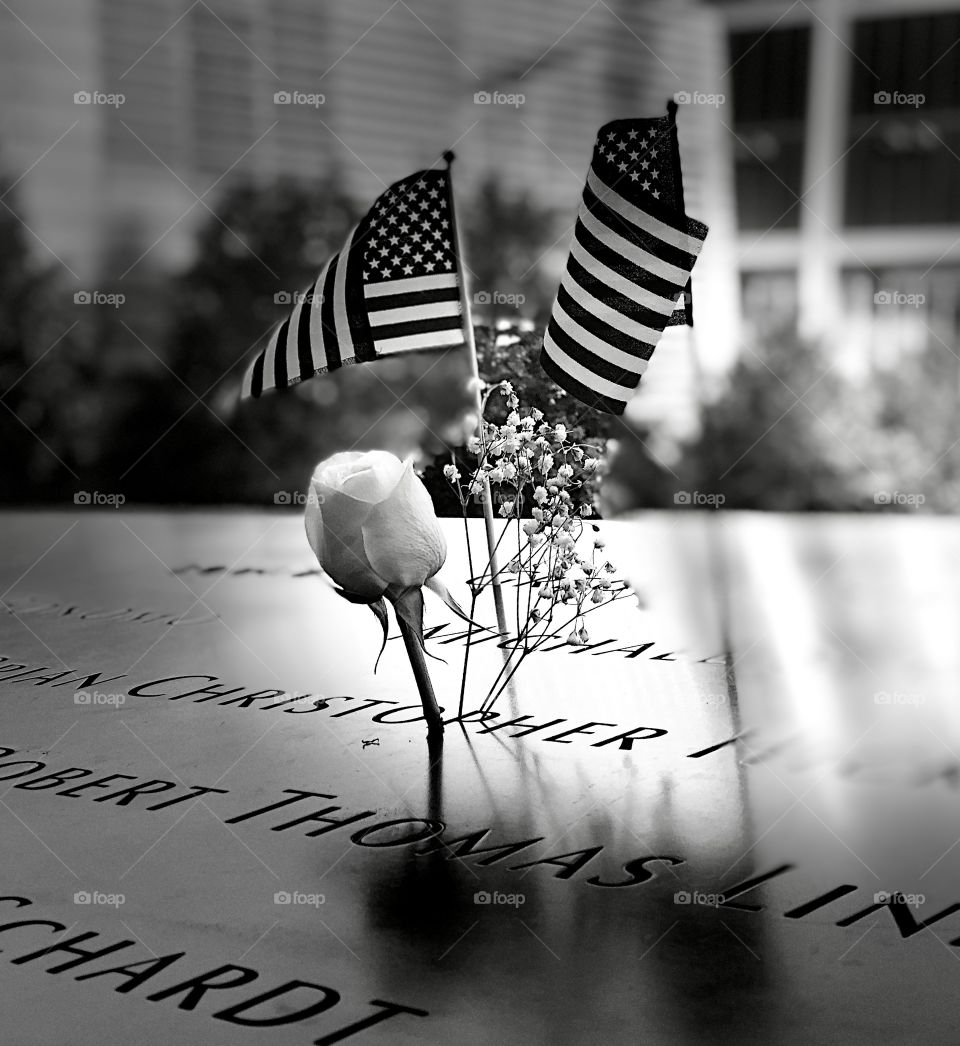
630, 260
394, 287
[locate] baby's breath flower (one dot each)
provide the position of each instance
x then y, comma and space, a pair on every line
452, 473
537, 415
590, 464
531, 527
597, 596
539, 495
566, 471
509, 470
560, 431
574, 638
506, 509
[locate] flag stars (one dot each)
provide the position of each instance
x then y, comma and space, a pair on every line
632, 134
407, 269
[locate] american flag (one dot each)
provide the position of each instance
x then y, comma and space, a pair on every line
395, 287
630, 260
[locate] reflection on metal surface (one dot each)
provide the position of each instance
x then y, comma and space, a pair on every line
628, 850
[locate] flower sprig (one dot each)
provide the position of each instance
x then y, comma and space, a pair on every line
542, 483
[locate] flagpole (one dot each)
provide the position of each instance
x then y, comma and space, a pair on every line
475, 373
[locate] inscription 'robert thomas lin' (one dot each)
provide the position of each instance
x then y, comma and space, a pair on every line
315, 818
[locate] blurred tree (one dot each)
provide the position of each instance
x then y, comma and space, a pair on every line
187, 441
44, 382
506, 241
781, 435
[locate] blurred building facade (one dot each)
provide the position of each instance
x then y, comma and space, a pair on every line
120, 123
846, 129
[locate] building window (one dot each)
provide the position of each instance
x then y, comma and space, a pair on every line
907, 83
769, 109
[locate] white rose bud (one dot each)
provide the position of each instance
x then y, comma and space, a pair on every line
371, 523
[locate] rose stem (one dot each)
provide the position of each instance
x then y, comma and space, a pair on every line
418, 663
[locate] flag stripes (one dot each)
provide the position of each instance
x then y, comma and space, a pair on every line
394, 287
629, 265
408, 314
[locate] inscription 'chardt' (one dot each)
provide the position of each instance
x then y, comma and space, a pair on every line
301, 1000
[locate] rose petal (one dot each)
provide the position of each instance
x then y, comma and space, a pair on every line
365, 475
333, 522
402, 536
